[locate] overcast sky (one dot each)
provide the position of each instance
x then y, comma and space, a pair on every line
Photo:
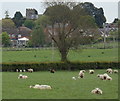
110, 8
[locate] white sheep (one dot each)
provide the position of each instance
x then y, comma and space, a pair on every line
115, 71
30, 70
17, 70
96, 91
81, 74
37, 86
91, 71
22, 76
101, 76
73, 78
83, 71
104, 76
109, 70
24, 70
20, 70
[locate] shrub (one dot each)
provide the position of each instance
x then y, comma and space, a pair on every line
60, 66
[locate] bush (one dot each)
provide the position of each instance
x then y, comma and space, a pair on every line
60, 66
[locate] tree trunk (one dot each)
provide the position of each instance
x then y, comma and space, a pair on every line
63, 56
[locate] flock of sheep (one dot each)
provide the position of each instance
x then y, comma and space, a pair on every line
37, 86
104, 76
81, 74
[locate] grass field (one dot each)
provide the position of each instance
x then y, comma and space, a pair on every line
49, 55
63, 87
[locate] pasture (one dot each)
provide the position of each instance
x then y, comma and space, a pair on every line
48, 55
63, 87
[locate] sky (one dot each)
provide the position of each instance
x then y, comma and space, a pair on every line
110, 8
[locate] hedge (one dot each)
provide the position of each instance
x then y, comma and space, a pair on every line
60, 66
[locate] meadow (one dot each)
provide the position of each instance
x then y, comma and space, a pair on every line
63, 87
49, 55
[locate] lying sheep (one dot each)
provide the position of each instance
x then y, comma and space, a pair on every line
81, 74
91, 71
30, 70
109, 70
83, 71
104, 76
73, 78
115, 71
41, 87
96, 91
22, 76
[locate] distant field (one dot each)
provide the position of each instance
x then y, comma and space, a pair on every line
46, 55
63, 87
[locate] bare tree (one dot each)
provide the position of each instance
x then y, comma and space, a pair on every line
67, 26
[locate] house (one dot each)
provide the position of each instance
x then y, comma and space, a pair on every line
31, 14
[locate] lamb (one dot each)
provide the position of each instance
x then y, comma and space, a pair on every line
81, 74
115, 71
30, 70
91, 71
22, 76
97, 91
109, 70
41, 87
73, 78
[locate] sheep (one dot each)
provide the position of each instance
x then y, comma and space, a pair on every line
109, 70
41, 87
104, 76
20, 70
97, 91
30, 70
81, 74
83, 71
109, 78
73, 78
24, 70
22, 76
115, 71
101, 76
52, 71
91, 71
17, 70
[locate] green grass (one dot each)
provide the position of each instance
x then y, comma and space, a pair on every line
63, 87
45, 55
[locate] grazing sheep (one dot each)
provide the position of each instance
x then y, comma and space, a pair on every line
24, 70
37, 86
20, 70
91, 71
81, 74
73, 78
22, 76
109, 70
52, 71
97, 91
30, 70
115, 71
